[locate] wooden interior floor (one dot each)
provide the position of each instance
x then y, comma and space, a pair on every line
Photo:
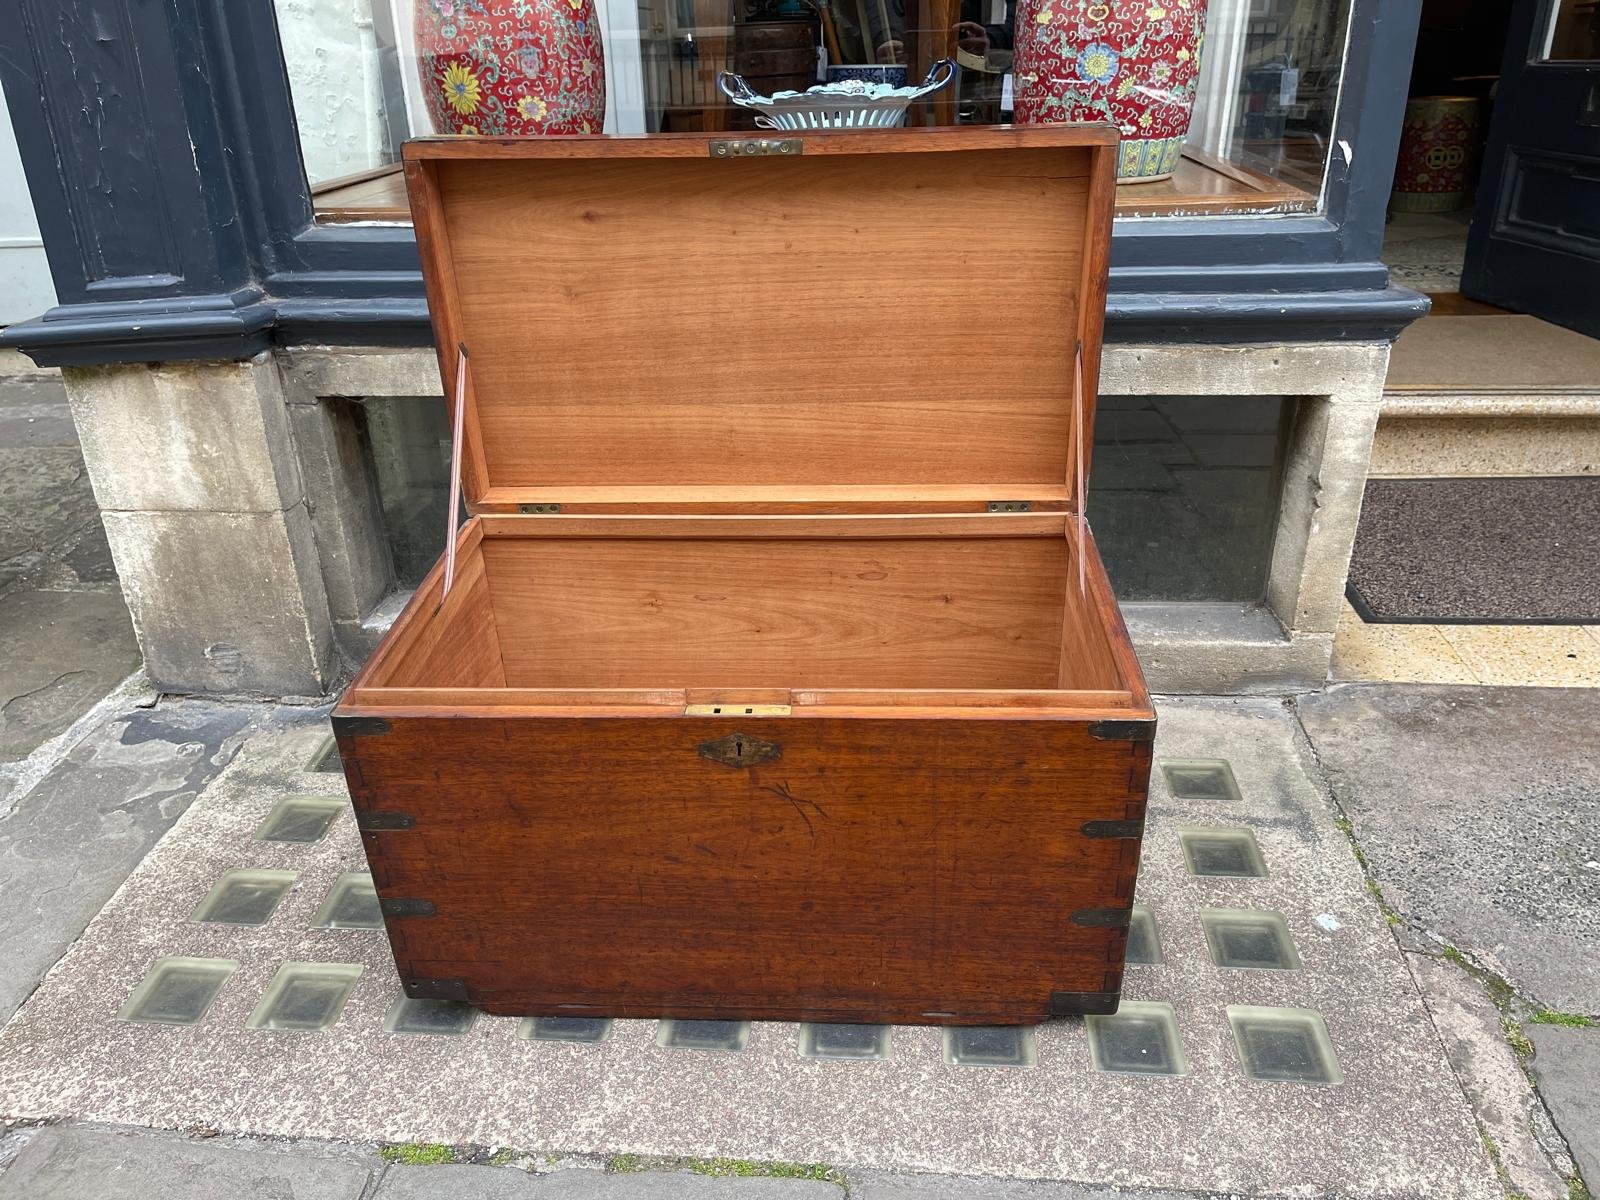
1200, 186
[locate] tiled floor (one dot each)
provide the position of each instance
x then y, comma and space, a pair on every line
1275, 1042
1502, 655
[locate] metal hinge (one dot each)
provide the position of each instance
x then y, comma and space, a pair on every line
755, 147
436, 989
1004, 506
1123, 731
1102, 918
538, 510
406, 906
380, 822
736, 710
1113, 829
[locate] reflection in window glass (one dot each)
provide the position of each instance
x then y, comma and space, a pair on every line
409, 440
345, 77
1574, 32
1225, 107
1183, 494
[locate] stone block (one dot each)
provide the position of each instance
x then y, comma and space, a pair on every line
227, 603
1208, 649
345, 515
71, 1162
1566, 1062
186, 437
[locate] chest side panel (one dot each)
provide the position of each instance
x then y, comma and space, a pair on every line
894, 870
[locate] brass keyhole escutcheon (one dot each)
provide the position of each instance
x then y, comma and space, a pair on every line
740, 750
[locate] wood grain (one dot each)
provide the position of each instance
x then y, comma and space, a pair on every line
684, 322
921, 872
452, 645
968, 613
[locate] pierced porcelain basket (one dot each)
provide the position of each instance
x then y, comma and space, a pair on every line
852, 104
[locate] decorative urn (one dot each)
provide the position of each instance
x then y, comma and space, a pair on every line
1134, 63
511, 67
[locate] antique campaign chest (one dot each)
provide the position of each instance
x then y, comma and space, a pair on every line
774, 673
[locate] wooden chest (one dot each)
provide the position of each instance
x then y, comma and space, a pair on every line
778, 676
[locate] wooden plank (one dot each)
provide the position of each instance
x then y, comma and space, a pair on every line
827, 143
888, 870
454, 644
636, 268
756, 499
970, 613
894, 526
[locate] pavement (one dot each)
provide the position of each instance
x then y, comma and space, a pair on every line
1432, 852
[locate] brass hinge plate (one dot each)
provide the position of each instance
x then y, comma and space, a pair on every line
1010, 506
736, 710
756, 147
538, 510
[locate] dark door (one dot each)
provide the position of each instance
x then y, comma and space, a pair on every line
1535, 240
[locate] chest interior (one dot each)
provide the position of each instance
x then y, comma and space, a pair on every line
805, 431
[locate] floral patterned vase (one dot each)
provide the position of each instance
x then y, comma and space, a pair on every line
1134, 63
1438, 148
511, 67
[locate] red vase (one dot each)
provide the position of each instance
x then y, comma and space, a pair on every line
1438, 151
511, 67
1134, 63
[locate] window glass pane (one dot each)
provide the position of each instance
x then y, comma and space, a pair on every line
1574, 31
345, 77
409, 440
1225, 107
1183, 494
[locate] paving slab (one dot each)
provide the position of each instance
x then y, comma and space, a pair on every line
1567, 1064
500, 1183
1479, 812
880, 1185
62, 652
1398, 1124
78, 1163
1531, 1152
69, 841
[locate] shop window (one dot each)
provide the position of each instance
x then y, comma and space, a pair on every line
1255, 82
1183, 495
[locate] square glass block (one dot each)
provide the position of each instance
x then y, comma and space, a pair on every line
244, 897
1144, 939
177, 991
990, 1046
565, 1029
305, 996
449, 1018
1286, 1045
1249, 938
826, 1040
300, 819
325, 759
1230, 853
1200, 779
703, 1035
1140, 1038
352, 903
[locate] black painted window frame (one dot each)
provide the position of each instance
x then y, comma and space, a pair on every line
223, 256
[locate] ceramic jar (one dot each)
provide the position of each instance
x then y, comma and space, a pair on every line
1439, 143
1134, 63
511, 67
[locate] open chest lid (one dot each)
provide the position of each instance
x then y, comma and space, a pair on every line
875, 321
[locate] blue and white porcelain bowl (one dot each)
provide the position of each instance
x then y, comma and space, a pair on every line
893, 75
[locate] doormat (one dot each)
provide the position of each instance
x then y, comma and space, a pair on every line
1478, 551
